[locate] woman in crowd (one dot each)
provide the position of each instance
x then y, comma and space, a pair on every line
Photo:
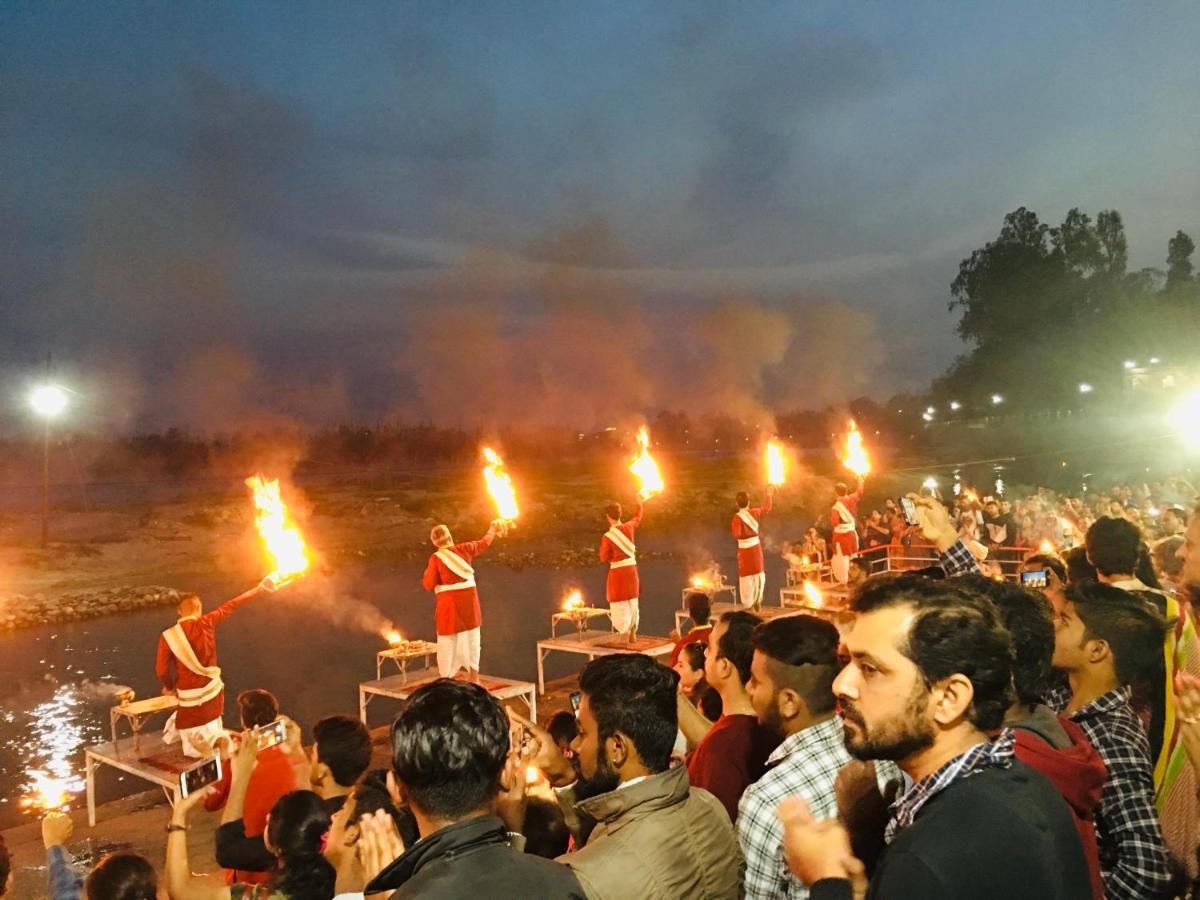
692, 684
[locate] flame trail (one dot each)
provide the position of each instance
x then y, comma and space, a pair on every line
645, 469
281, 538
856, 459
500, 486
776, 470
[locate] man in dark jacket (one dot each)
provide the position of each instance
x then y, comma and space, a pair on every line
929, 677
450, 761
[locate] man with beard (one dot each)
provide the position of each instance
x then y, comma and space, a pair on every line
929, 676
791, 678
656, 836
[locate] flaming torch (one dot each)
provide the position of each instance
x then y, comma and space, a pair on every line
813, 595
645, 469
47, 793
280, 536
394, 638
500, 486
856, 455
776, 471
573, 602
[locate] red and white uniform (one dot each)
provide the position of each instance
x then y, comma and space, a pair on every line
844, 519
617, 548
187, 664
752, 569
451, 577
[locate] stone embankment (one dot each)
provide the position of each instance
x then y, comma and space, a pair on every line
28, 611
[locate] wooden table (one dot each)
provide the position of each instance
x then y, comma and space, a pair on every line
599, 643
718, 609
712, 592
136, 711
398, 687
584, 614
402, 654
150, 759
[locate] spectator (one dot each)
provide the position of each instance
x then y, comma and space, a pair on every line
1173, 521
999, 528
124, 875
545, 829
1105, 640
733, 753
1168, 561
656, 836
790, 688
1056, 577
6, 873
450, 760
876, 532
345, 832
341, 753
563, 726
699, 610
1079, 567
694, 686
928, 678
858, 571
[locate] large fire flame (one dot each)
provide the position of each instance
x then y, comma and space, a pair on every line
1047, 546
776, 470
856, 454
500, 486
48, 793
573, 601
279, 533
645, 469
815, 597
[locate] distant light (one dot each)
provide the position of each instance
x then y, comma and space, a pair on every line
1186, 419
49, 400
928, 417
1154, 360
1130, 364
997, 399
954, 404
930, 483
931, 410
1085, 388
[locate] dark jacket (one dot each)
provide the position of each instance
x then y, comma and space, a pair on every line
472, 859
997, 835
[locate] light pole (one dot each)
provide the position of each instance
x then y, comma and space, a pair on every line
48, 401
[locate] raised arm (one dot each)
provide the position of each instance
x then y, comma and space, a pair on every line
769, 502
635, 521
226, 609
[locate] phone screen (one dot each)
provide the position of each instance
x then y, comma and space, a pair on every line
909, 509
270, 735
1035, 579
208, 772
576, 698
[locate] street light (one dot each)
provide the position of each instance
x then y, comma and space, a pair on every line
1130, 364
997, 399
48, 401
955, 405
1085, 388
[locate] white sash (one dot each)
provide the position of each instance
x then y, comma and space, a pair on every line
622, 563
847, 524
459, 567
744, 515
183, 651
624, 544
747, 543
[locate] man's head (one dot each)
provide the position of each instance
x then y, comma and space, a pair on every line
1173, 520
859, 571
1113, 546
875, 516
1189, 578
257, 708
699, 607
1109, 632
929, 661
730, 649
612, 512
366, 799
1029, 620
627, 720
124, 874
792, 672
563, 726
449, 750
840, 489
1079, 568
189, 605
1005, 507
743, 499
1116, 509
341, 753
992, 508
441, 537
1056, 576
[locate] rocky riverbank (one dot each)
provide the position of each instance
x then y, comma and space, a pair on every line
27, 611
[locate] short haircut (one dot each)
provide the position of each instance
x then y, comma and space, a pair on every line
956, 630
1029, 620
699, 607
743, 499
187, 600
344, 745
1048, 561
121, 876
1166, 556
1113, 546
802, 654
1078, 567
257, 708
1177, 511
545, 829
449, 748
1133, 631
859, 563
737, 643
632, 694
563, 727
613, 510
368, 792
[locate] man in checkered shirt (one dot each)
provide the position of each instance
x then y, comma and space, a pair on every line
791, 690
1104, 639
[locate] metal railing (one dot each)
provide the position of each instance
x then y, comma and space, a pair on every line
906, 557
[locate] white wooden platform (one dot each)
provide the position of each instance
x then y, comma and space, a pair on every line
719, 609
149, 759
579, 617
713, 593
599, 643
400, 687
401, 655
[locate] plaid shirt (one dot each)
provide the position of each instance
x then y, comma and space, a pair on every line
989, 754
1133, 859
959, 560
806, 764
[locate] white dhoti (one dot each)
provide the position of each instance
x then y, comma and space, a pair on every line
458, 651
751, 588
196, 742
624, 615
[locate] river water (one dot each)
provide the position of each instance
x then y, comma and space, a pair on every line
56, 681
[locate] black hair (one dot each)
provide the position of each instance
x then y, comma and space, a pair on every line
804, 653
545, 829
1133, 630
632, 694
1166, 556
563, 727
344, 745
121, 876
695, 654
375, 782
699, 607
743, 499
257, 707
1144, 571
613, 510
1078, 566
710, 701
1029, 620
956, 630
1048, 561
296, 829
5, 865
1113, 546
449, 748
737, 642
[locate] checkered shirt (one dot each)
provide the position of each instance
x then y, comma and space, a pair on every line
989, 754
806, 764
959, 560
1133, 858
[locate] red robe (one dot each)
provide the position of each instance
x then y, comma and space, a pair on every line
202, 635
456, 610
750, 559
623, 581
848, 541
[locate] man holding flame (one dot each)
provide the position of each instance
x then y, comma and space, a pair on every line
619, 551
752, 575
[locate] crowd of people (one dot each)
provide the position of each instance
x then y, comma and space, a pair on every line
960, 736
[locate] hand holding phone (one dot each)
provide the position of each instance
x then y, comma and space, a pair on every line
270, 735
909, 509
1036, 579
201, 776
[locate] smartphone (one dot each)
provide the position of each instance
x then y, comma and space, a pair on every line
1035, 579
270, 735
208, 772
910, 511
576, 699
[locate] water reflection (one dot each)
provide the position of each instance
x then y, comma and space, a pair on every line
53, 734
